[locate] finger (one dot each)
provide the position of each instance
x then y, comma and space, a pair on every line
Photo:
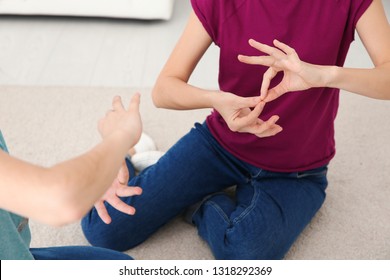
117, 103
257, 60
125, 191
267, 78
134, 102
271, 51
251, 122
272, 131
269, 127
102, 212
121, 206
251, 118
287, 49
123, 174
265, 126
248, 102
261, 47
259, 122
254, 114
274, 93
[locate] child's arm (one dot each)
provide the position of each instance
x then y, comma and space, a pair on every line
65, 192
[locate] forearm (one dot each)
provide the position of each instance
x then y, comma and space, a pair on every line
65, 192
173, 93
85, 179
374, 83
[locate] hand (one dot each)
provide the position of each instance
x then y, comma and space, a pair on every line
118, 189
298, 75
237, 113
120, 119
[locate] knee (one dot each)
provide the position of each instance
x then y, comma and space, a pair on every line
102, 235
93, 228
109, 236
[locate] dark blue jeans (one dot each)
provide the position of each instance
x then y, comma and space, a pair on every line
77, 253
268, 212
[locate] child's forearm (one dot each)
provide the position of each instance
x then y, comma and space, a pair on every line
85, 178
65, 192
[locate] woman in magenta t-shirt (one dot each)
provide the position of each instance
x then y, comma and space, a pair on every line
273, 146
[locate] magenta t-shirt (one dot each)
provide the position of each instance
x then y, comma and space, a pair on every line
321, 32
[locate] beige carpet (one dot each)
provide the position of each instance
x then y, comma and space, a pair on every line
47, 125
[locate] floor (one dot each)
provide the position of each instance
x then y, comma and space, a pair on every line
55, 51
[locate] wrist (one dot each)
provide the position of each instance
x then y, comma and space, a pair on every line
331, 76
327, 76
122, 138
214, 98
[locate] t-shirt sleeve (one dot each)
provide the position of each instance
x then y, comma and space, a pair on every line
358, 9
208, 12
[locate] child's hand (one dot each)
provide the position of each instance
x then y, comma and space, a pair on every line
120, 119
112, 196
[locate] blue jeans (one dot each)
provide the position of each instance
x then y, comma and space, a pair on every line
77, 253
268, 212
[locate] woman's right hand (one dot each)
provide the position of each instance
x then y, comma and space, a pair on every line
238, 115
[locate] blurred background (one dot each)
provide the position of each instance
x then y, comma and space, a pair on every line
107, 52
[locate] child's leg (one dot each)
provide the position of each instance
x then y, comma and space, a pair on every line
266, 217
193, 168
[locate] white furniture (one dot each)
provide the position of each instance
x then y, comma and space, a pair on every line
137, 9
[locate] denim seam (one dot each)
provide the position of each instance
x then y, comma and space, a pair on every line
248, 210
219, 211
258, 174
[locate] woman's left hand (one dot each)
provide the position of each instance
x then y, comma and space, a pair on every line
298, 75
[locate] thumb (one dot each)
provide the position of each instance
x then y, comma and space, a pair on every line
123, 174
249, 102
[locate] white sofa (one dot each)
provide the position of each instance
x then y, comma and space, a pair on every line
137, 9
